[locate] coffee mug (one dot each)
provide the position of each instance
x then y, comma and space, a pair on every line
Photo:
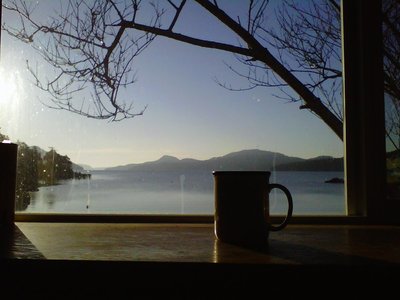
242, 206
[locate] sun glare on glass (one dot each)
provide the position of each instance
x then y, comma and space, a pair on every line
11, 96
8, 87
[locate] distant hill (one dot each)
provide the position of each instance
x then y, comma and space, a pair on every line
255, 160
322, 163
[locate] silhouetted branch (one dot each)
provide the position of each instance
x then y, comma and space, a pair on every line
94, 43
86, 49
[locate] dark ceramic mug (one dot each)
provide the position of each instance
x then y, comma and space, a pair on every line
242, 206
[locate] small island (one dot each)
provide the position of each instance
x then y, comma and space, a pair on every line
335, 180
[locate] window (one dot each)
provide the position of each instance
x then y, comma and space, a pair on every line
391, 52
235, 121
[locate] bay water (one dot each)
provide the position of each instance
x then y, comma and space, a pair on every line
130, 192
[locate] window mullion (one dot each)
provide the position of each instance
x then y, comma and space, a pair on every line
364, 133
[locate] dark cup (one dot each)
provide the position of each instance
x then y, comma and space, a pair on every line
242, 206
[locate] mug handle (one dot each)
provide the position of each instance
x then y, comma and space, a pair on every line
290, 208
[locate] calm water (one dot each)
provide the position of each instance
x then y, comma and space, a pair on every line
173, 192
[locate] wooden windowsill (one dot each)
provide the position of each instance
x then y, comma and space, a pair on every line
142, 254
297, 244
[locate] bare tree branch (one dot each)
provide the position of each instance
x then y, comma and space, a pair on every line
187, 39
83, 46
94, 44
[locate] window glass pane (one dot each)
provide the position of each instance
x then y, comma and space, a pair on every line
391, 46
112, 121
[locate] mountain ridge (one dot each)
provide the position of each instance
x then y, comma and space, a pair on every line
249, 159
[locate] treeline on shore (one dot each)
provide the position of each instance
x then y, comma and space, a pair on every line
36, 167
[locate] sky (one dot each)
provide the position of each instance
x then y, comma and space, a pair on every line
188, 114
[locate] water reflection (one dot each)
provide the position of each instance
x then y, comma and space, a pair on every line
176, 193
51, 199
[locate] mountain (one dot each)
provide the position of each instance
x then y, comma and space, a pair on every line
322, 163
255, 160
164, 163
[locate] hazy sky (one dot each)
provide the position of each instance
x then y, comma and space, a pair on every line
188, 114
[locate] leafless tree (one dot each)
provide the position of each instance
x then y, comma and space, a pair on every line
391, 68
86, 47
311, 35
95, 45
308, 43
